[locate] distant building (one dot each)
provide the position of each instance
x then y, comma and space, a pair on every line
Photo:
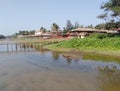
118, 30
83, 32
43, 35
20, 36
38, 33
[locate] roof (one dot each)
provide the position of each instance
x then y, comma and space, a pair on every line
84, 29
118, 29
88, 30
82, 34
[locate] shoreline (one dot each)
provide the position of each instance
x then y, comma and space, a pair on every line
94, 51
105, 56
52, 47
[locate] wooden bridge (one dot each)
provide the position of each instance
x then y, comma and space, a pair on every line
28, 46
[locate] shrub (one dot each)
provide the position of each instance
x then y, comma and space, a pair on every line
102, 41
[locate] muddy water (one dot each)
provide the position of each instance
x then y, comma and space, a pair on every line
54, 71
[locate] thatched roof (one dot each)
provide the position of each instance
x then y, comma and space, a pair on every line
84, 29
112, 32
82, 34
88, 30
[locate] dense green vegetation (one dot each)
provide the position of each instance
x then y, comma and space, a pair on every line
97, 41
108, 26
2, 36
26, 32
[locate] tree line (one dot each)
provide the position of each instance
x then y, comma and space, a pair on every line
2, 36
111, 14
55, 28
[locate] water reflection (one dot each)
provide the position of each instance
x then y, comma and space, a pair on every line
57, 71
55, 55
109, 78
76, 57
17, 47
69, 57
101, 57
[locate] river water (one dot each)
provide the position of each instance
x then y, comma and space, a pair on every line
58, 71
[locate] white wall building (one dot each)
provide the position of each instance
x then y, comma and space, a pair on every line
38, 33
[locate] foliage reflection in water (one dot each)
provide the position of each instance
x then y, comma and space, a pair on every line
57, 71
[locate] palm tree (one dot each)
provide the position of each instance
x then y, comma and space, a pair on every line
42, 29
55, 27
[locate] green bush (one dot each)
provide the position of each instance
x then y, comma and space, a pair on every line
102, 41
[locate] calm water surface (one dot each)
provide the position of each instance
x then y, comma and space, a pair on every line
56, 71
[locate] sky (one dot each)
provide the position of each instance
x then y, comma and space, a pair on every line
16, 15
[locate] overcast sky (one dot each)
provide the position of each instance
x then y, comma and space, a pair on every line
18, 15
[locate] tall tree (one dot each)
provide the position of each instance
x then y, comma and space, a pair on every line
76, 24
42, 29
2, 36
111, 10
20, 32
55, 27
31, 32
69, 25
90, 26
100, 26
26, 32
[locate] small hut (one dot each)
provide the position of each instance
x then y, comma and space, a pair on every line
82, 35
83, 32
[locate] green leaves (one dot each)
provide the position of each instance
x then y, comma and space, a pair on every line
114, 7
2, 36
99, 41
55, 27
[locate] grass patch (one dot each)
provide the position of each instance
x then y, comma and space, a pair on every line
98, 43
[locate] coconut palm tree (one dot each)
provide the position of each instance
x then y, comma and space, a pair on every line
55, 27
